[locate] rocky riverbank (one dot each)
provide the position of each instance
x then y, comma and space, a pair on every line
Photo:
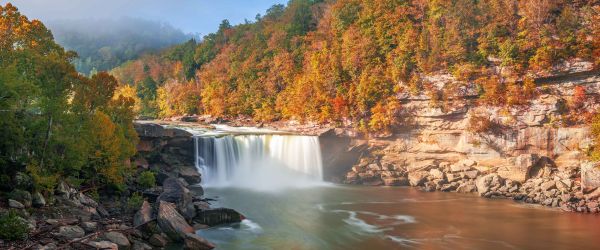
539, 182
136, 218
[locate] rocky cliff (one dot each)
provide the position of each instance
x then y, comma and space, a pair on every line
518, 151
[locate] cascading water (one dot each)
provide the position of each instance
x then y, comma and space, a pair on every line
264, 161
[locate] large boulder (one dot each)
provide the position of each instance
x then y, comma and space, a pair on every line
518, 168
70, 232
38, 200
143, 215
466, 187
172, 223
190, 174
488, 182
590, 175
217, 216
174, 191
15, 204
417, 178
194, 242
395, 181
22, 196
149, 130
462, 165
119, 239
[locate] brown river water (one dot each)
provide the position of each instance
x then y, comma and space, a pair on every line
351, 217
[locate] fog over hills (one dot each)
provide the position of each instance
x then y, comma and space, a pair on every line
103, 44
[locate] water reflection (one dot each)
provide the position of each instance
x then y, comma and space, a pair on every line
342, 217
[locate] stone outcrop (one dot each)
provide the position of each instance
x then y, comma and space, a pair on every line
172, 223
143, 215
339, 152
590, 175
195, 242
518, 168
167, 151
174, 191
218, 216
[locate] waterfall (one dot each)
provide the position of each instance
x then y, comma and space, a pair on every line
258, 160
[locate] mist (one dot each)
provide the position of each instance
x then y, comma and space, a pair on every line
191, 16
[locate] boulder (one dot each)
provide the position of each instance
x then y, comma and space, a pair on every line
70, 232
15, 204
217, 216
436, 173
86, 200
395, 181
374, 167
22, 196
174, 191
462, 165
37, 200
149, 130
194, 242
548, 185
519, 168
171, 222
417, 178
449, 187
104, 245
422, 166
471, 174
487, 182
590, 175
466, 187
190, 174
158, 240
89, 226
119, 239
62, 188
143, 215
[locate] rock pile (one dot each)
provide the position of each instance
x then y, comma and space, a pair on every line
529, 179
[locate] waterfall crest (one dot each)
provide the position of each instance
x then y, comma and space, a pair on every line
265, 160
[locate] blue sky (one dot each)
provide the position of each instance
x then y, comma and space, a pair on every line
191, 16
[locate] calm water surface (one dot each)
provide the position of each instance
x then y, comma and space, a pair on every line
343, 217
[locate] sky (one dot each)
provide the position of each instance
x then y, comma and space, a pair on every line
191, 16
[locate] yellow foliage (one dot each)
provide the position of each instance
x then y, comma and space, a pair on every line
108, 155
129, 92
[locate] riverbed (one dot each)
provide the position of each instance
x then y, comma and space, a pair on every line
332, 216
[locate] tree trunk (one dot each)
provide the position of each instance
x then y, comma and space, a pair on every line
48, 133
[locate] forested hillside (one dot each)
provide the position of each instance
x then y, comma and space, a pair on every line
57, 124
103, 44
349, 60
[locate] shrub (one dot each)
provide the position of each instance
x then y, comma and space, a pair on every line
42, 179
579, 98
135, 201
13, 227
146, 179
480, 124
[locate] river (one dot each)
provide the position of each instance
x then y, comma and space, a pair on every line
349, 217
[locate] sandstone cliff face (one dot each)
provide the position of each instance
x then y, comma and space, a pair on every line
524, 143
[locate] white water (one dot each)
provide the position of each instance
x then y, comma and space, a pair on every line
267, 162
